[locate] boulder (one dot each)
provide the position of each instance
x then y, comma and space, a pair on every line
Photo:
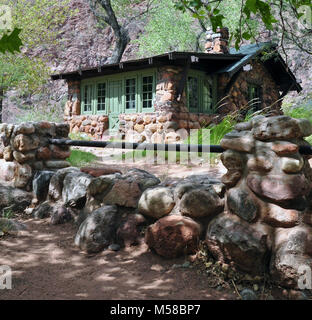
15, 199
231, 178
57, 181
156, 202
60, 214
24, 128
233, 160
129, 232
142, 177
25, 143
279, 188
231, 239
24, 157
279, 217
11, 226
292, 250
292, 164
98, 230
57, 164
201, 201
41, 183
242, 204
7, 170
284, 148
44, 210
280, 128
239, 141
23, 175
173, 236
124, 192
75, 187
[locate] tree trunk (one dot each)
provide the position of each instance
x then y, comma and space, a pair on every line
122, 40
120, 32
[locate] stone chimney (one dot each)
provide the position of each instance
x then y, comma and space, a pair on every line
217, 42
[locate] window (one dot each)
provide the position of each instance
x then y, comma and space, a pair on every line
207, 95
130, 93
101, 95
147, 92
201, 92
254, 96
193, 93
87, 98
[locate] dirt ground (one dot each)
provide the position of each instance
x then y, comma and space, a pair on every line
46, 264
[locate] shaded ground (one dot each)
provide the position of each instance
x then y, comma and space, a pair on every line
46, 265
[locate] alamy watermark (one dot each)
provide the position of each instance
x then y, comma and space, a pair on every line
305, 277
5, 277
5, 17
197, 140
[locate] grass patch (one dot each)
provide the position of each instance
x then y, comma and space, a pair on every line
301, 112
79, 136
80, 158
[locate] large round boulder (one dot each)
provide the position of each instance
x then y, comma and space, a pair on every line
231, 239
156, 202
173, 236
201, 201
98, 230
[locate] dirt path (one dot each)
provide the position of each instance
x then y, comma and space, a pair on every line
46, 265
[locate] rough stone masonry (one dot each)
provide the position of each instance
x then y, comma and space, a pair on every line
266, 225
24, 149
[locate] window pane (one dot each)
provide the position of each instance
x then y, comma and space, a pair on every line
130, 93
147, 92
192, 92
101, 92
87, 98
254, 97
207, 95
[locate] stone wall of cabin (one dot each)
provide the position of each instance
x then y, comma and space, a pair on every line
238, 94
171, 120
92, 125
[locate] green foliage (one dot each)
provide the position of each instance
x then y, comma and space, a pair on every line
167, 30
7, 213
218, 131
80, 158
36, 23
18, 70
301, 112
12, 42
267, 14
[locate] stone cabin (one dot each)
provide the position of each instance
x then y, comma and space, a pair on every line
152, 99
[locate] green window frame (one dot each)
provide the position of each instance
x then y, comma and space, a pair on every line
138, 93
130, 94
101, 103
201, 92
254, 96
87, 98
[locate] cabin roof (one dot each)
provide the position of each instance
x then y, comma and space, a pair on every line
207, 62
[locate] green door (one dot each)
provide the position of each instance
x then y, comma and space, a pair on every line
115, 104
